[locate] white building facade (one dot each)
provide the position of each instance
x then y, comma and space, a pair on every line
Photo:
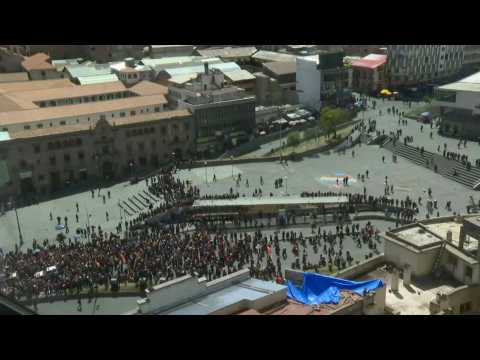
309, 82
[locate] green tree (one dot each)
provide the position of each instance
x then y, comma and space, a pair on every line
293, 139
331, 117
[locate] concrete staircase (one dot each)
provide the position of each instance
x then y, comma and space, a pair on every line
445, 167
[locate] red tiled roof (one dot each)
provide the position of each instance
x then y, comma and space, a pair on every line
37, 62
370, 62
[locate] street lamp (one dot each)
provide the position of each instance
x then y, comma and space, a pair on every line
286, 185
206, 179
20, 236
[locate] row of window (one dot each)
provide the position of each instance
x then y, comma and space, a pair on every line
85, 99
101, 117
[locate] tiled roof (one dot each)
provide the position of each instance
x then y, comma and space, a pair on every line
15, 87
71, 92
13, 77
56, 112
372, 61
146, 87
37, 62
281, 67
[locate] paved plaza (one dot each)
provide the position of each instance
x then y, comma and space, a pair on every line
315, 173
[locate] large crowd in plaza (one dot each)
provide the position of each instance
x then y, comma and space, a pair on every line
143, 251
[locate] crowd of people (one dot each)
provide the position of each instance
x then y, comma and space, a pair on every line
149, 253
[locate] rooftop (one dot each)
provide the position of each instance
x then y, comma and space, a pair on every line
469, 84
39, 61
15, 87
97, 79
197, 69
73, 92
30, 116
239, 75
84, 70
290, 200
13, 77
282, 67
145, 88
250, 290
371, 61
263, 55
418, 237
229, 52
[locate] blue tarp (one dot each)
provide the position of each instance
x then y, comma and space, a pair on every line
321, 289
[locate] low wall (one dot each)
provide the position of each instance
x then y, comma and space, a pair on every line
457, 297
83, 297
363, 268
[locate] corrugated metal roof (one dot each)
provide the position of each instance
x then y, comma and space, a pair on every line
239, 75
77, 71
273, 56
99, 79
224, 67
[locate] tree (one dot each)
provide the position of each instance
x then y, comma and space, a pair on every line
293, 139
331, 117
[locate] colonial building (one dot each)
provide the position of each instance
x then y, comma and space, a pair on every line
55, 137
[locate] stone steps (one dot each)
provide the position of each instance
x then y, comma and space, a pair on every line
445, 167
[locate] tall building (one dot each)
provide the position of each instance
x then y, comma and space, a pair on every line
321, 79
471, 59
410, 65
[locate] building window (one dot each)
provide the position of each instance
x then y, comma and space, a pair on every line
66, 157
133, 113
122, 114
42, 104
43, 73
26, 127
102, 117
468, 272
81, 155
63, 123
41, 177
157, 109
23, 164
154, 144
163, 130
141, 146
53, 160
40, 126
36, 149
5, 129
129, 148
